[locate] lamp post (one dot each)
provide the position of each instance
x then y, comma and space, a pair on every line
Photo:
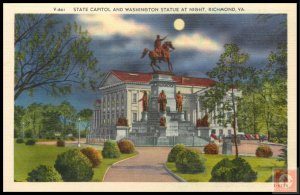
79, 132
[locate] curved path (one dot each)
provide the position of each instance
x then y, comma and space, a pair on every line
147, 166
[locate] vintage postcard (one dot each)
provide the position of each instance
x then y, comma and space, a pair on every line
150, 97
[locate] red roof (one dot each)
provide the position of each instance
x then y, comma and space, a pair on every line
146, 78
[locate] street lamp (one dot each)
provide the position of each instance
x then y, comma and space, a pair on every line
79, 132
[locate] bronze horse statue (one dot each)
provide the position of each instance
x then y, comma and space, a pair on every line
154, 56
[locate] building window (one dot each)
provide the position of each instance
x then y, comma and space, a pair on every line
134, 98
134, 117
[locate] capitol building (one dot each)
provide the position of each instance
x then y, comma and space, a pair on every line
122, 91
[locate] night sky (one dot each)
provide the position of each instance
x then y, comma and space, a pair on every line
118, 42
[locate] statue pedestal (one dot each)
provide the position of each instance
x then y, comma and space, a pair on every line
227, 146
163, 114
204, 132
122, 132
162, 140
181, 116
162, 81
144, 116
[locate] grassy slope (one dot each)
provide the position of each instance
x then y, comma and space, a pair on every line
263, 166
29, 157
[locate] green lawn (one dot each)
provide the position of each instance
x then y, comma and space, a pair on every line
263, 167
27, 158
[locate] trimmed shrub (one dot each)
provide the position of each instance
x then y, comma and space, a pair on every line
60, 143
72, 138
110, 150
264, 151
30, 142
93, 155
74, 166
196, 150
236, 170
20, 141
175, 151
126, 146
44, 173
211, 148
189, 161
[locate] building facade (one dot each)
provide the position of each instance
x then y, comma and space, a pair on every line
120, 94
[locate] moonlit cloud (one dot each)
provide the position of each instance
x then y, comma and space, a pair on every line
105, 25
197, 41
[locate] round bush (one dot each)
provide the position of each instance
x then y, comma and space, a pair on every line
236, 170
30, 142
72, 138
110, 150
60, 143
44, 173
174, 152
211, 148
264, 151
93, 155
126, 146
189, 161
74, 166
20, 140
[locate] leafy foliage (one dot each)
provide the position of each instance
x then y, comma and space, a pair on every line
93, 155
19, 112
44, 173
30, 142
175, 151
229, 75
20, 140
60, 143
283, 155
50, 59
110, 150
236, 170
264, 151
189, 161
211, 148
126, 146
74, 166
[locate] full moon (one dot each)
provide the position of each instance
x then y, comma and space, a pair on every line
179, 24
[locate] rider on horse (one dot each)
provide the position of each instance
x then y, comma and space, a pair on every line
157, 45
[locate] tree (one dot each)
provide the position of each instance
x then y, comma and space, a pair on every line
33, 119
51, 123
18, 115
229, 74
68, 115
248, 106
51, 59
86, 116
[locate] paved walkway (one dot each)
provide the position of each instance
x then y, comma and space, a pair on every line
248, 147
147, 166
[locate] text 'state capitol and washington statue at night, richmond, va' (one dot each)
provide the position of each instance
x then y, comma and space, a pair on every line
157, 108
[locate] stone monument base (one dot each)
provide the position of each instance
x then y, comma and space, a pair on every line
204, 132
122, 132
144, 116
